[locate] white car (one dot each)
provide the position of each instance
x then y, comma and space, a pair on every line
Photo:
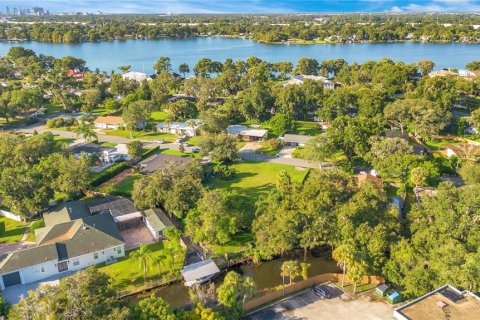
159, 141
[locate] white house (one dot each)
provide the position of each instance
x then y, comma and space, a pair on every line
246, 132
188, 128
113, 122
116, 154
300, 79
136, 76
71, 240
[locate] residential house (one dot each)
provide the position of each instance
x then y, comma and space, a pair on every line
300, 79
443, 73
159, 161
295, 140
116, 154
72, 239
109, 122
446, 302
76, 74
188, 128
136, 76
366, 176
246, 132
157, 222
200, 272
467, 150
421, 192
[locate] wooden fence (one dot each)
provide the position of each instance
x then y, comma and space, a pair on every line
271, 296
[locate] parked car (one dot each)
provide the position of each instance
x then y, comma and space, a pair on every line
322, 291
196, 149
184, 144
159, 141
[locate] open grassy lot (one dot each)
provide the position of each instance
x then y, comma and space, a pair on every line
127, 273
142, 135
11, 231
124, 187
158, 116
308, 128
438, 144
254, 179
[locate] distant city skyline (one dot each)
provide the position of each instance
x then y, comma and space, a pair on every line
246, 6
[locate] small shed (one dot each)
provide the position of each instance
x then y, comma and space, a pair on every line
157, 222
382, 289
200, 272
394, 297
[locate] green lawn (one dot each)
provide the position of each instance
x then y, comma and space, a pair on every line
34, 225
195, 141
235, 247
308, 128
142, 135
437, 144
158, 116
62, 139
107, 144
11, 230
127, 274
254, 179
52, 108
124, 187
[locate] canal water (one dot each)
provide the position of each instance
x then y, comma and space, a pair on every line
266, 276
141, 54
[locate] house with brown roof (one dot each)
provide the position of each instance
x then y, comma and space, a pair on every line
113, 122
365, 176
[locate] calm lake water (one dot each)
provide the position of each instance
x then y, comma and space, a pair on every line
141, 54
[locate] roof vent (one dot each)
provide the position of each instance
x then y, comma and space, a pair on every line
85, 227
441, 304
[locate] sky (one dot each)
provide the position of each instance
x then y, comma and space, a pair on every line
247, 6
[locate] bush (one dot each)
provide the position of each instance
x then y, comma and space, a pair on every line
273, 144
108, 173
61, 122
150, 152
225, 172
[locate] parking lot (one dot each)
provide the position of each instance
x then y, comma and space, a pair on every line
308, 305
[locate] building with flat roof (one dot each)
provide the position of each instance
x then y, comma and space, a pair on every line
199, 272
251, 134
295, 139
446, 302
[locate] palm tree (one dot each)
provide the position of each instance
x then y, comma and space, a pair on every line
184, 68
344, 255
168, 120
289, 269
191, 124
356, 271
85, 129
143, 255
159, 260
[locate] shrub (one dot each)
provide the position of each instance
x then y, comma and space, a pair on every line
108, 173
225, 172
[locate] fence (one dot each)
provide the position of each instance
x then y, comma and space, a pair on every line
10, 215
271, 296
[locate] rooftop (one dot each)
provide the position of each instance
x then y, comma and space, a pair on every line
364, 176
159, 161
158, 219
109, 120
446, 302
246, 131
199, 270
116, 206
296, 138
88, 147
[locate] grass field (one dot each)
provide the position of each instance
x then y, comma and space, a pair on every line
142, 135
11, 231
123, 188
308, 128
235, 247
254, 179
127, 273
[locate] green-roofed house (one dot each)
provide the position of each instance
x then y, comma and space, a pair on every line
157, 222
72, 239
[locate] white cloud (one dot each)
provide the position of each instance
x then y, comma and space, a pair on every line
440, 6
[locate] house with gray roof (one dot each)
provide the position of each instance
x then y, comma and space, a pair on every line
72, 239
157, 222
295, 139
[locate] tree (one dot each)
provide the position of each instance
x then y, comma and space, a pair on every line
135, 149
281, 124
203, 67
142, 255
470, 171
125, 68
475, 117
344, 255
221, 148
306, 66
284, 68
232, 292
319, 148
398, 114
162, 64
136, 114
153, 308
356, 271
425, 66
474, 65
86, 130
290, 269
184, 69
84, 295
91, 99
390, 156
216, 219
305, 267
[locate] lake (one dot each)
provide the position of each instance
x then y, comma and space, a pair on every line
141, 54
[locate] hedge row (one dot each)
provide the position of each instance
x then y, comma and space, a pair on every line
108, 173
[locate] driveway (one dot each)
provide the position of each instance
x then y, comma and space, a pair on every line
14, 294
308, 306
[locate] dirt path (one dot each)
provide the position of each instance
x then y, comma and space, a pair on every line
118, 178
